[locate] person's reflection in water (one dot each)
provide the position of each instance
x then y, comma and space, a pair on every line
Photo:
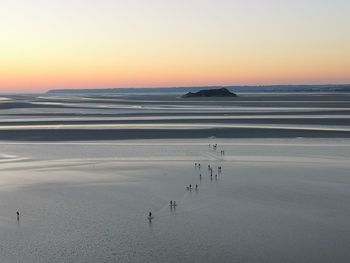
17, 215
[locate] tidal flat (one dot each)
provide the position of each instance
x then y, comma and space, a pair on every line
84, 192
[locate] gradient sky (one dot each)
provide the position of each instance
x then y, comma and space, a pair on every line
48, 44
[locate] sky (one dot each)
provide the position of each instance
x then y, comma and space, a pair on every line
47, 44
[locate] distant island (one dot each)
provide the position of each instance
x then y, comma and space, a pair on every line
181, 90
223, 92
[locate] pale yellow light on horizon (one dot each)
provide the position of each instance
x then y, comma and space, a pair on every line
226, 43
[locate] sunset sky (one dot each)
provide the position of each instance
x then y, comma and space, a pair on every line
47, 44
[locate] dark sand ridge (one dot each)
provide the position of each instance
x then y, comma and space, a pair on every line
125, 134
140, 114
194, 120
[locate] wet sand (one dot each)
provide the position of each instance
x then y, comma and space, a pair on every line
115, 117
275, 201
84, 171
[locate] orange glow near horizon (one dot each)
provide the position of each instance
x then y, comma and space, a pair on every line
117, 44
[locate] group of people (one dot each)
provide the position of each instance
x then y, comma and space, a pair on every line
173, 203
197, 165
189, 187
210, 169
214, 146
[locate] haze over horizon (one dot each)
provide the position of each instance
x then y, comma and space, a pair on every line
114, 43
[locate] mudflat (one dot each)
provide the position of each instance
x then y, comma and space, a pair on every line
112, 117
85, 171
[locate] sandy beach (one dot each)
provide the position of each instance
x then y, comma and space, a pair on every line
84, 176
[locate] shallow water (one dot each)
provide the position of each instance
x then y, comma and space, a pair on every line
276, 201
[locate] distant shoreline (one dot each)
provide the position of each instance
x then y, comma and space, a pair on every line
181, 90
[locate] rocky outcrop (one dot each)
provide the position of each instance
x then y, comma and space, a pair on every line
210, 93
